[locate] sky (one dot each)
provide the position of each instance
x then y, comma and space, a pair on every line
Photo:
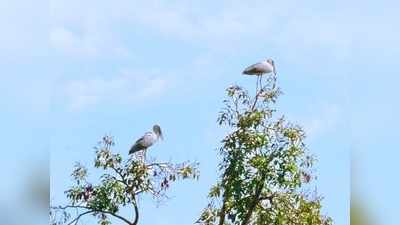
74, 71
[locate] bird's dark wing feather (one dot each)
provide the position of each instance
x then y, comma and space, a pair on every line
251, 70
140, 140
137, 146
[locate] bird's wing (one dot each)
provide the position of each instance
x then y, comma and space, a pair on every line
137, 146
144, 142
259, 68
139, 141
255, 69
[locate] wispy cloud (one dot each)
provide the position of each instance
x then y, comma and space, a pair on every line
88, 43
256, 24
124, 89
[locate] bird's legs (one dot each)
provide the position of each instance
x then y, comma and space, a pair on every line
258, 81
142, 156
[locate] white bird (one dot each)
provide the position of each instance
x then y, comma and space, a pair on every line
261, 68
147, 140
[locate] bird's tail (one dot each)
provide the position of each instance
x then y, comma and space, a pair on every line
135, 148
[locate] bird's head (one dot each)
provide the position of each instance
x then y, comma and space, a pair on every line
157, 131
270, 61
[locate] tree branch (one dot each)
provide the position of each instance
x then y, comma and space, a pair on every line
222, 213
256, 200
118, 180
118, 172
94, 210
79, 216
159, 165
135, 221
256, 98
223, 210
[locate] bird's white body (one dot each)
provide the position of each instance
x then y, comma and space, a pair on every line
260, 68
147, 140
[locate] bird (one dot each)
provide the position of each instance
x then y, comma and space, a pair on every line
261, 68
147, 140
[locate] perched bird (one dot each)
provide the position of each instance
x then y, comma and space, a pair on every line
148, 139
260, 68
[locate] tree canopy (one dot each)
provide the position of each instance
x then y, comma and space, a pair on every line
265, 165
121, 183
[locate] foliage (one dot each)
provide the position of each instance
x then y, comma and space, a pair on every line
265, 165
120, 185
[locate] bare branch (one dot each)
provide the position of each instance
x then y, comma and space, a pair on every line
135, 221
76, 220
94, 211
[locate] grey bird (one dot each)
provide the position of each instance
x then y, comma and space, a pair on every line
261, 68
147, 140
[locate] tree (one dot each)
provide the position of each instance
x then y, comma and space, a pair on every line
265, 165
121, 183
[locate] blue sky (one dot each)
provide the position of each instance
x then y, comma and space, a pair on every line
81, 70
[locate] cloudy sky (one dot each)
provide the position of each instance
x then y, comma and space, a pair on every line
74, 71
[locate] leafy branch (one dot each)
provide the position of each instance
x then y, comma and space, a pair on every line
120, 185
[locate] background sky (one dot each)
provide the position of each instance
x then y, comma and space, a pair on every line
74, 71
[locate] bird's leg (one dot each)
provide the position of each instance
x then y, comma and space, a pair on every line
257, 84
141, 156
258, 77
261, 86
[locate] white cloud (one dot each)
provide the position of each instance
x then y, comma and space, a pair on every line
124, 89
90, 43
210, 24
257, 23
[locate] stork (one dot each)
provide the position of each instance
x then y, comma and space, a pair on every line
147, 140
261, 68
